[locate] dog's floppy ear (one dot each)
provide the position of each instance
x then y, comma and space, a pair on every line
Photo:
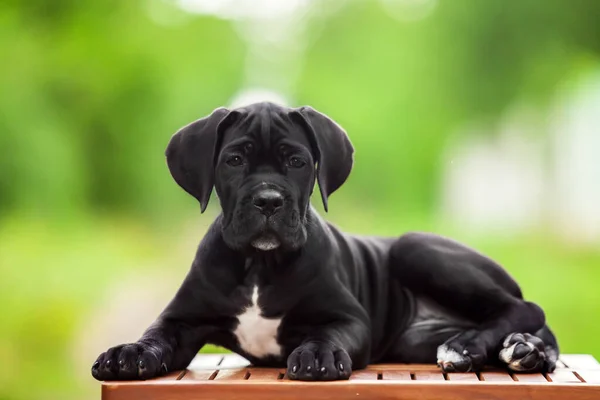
332, 149
191, 154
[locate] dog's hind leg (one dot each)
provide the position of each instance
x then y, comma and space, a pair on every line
468, 284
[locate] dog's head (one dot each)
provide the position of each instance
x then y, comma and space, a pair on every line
263, 160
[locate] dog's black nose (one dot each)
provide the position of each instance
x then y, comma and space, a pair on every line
268, 201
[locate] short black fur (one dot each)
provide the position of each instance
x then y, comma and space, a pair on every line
344, 301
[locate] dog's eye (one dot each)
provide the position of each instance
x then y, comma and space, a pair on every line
235, 161
296, 162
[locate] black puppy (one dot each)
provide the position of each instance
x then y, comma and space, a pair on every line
274, 282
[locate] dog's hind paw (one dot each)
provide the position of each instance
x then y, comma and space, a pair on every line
523, 352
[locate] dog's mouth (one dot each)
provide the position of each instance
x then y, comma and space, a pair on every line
266, 241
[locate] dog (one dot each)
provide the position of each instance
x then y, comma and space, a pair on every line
274, 282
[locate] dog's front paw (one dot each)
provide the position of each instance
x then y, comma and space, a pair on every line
318, 361
129, 361
462, 353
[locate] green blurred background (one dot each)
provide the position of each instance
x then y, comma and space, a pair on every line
474, 119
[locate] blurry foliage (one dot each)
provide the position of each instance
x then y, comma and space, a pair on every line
90, 93
400, 89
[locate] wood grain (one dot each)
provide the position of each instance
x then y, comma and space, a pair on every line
239, 374
429, 376
530, 378
264, 374
563, 375
199, 375
464, 377
404, 367
173, 376
396, 375
496, 376
362, 375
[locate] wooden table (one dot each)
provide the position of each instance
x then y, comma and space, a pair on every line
215, 376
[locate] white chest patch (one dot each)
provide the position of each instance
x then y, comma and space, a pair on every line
256, 334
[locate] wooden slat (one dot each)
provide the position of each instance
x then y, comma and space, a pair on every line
580, 361
414, 367
465, 377
233, 361
580, 381
173, 376
206, 361
589, 376
560, 364
429, 376
199, 375
404, 367
364, 375
264, 374
530, 378
395, 375
496, 376
232, 374
564, 376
